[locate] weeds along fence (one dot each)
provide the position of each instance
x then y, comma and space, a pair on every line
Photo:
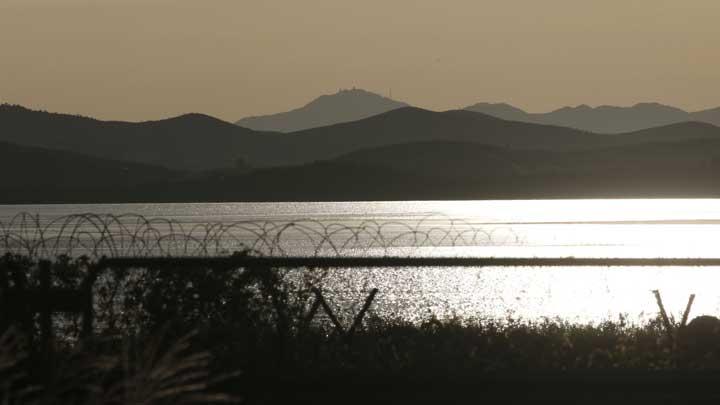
75, 275
83, 275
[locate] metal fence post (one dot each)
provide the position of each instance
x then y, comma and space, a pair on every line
44, 266
86, 290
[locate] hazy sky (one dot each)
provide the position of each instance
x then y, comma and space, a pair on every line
144, 59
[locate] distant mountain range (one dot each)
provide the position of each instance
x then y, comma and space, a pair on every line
357, 104
459, 170
404, 153
603, 119
22, 166
195, 142
29, 174
410, 124
343, 106
188, 142
441, 170
458, 160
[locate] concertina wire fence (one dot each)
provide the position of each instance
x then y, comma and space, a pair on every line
132, 235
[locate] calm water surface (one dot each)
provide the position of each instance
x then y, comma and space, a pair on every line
558, 228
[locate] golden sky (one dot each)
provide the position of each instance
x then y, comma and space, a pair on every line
146, 59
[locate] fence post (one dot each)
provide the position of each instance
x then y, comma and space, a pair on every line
338, 327
359, 317
310, 315
684, 320
45, 304
357, 321
4, 292
89, 302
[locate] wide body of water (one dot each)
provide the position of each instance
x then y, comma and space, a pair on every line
547, 228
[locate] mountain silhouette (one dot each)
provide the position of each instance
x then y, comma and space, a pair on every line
602, 119
421, 170
711, 116
458, 170
187, 142
410, 125
440, 159
609, 119
196, 142
461, 170
473, 161
51, 171
504, 111
343, 106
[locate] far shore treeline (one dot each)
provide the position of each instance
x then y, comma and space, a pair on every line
394, 152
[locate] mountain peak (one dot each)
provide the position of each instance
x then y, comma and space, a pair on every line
351, 96
653, 106
606, 119
191, 120
571, 109
498, 106
344, 106
193, 117
500, 110
711, 116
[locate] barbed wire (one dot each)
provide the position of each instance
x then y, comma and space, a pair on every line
133, 235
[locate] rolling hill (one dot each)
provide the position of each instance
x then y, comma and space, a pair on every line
441, 160
711, 116
196, 142
344, 106
410, 125
472, 161
187, 142
60, 174
602, 119
456, 170
438, 170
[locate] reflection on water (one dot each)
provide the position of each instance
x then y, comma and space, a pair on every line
580, 228
574, 294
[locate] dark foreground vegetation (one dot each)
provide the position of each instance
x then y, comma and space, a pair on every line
171, 334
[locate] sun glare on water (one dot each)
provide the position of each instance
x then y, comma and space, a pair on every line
587, 228
545, 228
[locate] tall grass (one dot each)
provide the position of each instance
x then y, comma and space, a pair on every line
148, 372
174, 334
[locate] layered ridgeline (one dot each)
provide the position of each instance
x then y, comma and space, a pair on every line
356, 104
602, 119
343, 106
460, 170
187, 142
30, 174
196, 142
406, 153
22, 166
